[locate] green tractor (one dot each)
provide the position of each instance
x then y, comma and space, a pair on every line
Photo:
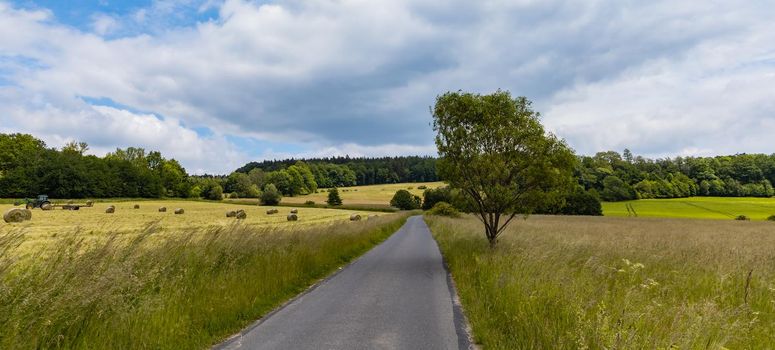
41, 202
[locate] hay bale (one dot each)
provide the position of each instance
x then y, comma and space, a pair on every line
90, 203
110, 210
293, 217
137, 206
272, 211
163, 209
231, 214
179, 211
241, 215
355, 217
17, 215
46, 206
294, 211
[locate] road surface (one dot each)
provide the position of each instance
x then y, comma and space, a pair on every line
396, 296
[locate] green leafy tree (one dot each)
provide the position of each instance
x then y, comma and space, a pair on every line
494, 148
405, 200
271, 195
212, 190
333, 197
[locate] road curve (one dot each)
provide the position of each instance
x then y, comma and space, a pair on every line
396, 296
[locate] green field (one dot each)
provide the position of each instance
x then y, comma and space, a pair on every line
695, 207
556, 282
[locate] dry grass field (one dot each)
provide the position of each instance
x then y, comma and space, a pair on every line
615, 283
365, 195
140, 279
95, 222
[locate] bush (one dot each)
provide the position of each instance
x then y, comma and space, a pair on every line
582, 203
310, 203
212, 191
333, 197
271, 196
742, 218
404, 200
444, 209
233, 195
433, 196
771, 218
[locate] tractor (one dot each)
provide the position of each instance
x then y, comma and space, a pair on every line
40, 202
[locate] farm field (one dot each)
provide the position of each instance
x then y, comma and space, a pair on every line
365, 195
144, 279
615, 283
696, 207
200, 216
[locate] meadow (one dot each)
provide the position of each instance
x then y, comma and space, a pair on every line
140, 279
695, 207
373, 195
615, 283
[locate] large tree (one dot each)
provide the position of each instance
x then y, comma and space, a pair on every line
494, 149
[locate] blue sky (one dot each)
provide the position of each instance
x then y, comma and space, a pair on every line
218, 83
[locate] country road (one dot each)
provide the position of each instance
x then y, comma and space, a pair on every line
396, 296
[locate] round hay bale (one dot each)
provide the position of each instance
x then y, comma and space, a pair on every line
110, 210
241, 215
17, 215
89, 203
163, 209
355, 217
46, 206
231, 214
294, 211
293, 217
179, 211
137, 206
272, 211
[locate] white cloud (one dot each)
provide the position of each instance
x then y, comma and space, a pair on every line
356, 77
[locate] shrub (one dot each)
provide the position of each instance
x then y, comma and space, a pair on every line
333, 197
444, 209
771, 218
271, 196
310, 203
233, 195
433, 196
742, 218
212, 191
404, 200
582, 203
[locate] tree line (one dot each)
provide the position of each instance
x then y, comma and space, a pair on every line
28, 167
617, 177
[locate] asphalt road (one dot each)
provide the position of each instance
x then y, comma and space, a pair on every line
396, 296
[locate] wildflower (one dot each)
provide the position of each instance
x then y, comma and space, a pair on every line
626, 262
638, 266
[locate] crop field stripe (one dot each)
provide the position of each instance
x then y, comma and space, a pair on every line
708, 209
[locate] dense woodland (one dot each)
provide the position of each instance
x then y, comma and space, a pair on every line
28, 167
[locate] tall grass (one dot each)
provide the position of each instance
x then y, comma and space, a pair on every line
615, 283
183, 291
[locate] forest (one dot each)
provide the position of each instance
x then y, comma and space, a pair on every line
28, 167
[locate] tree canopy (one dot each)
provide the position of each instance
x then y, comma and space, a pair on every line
494, 148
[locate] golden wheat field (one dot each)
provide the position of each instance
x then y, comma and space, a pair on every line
94, 221
366, 195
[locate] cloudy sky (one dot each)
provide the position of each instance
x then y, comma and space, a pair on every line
215, 84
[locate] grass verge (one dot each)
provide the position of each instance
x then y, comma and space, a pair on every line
615, 283
183, 291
